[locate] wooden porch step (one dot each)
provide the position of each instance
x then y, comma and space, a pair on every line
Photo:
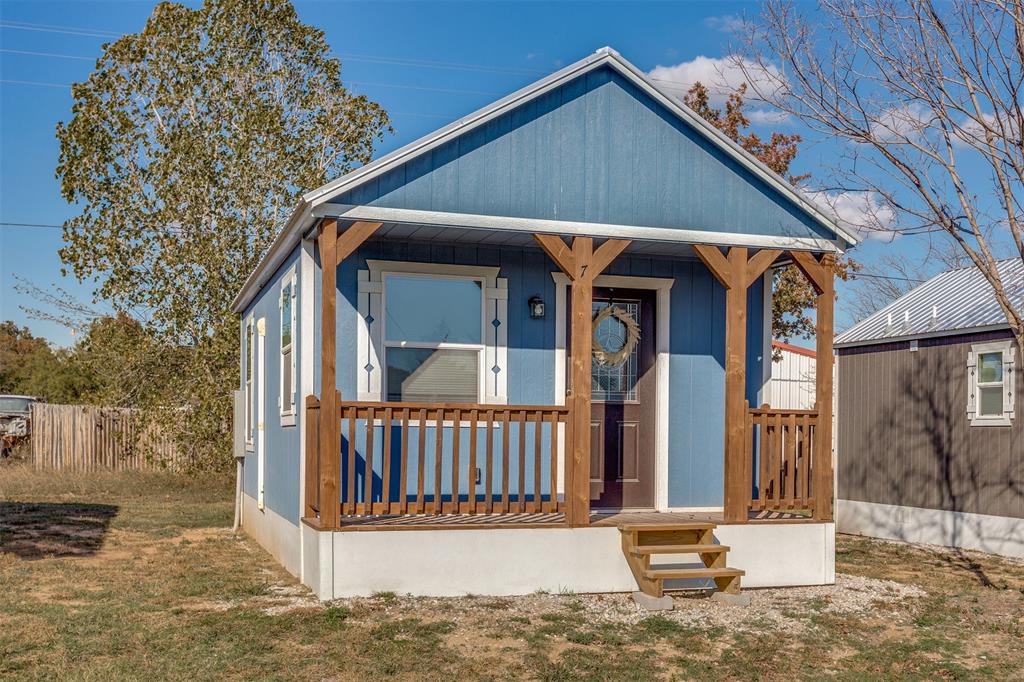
679, 549
675, 525
684, 573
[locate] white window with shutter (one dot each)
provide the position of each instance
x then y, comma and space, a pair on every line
286, 304
991, 383
432, 333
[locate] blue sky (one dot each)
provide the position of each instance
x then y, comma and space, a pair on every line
427, 63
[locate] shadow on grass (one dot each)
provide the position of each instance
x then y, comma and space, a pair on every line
34, 530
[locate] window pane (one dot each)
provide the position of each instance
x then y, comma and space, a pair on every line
421, 309
429, 375
990, 368
286, 385
249, 352
990, 403
286, 316
618, 382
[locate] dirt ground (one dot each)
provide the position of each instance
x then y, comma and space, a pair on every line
133, 576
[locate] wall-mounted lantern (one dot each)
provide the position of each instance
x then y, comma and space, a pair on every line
536, 304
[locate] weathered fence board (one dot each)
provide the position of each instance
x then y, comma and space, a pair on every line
84, 438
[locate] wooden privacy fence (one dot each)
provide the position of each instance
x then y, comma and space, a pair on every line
402, 458
784, 441
83, 438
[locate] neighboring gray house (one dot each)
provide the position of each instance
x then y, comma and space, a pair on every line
929, 437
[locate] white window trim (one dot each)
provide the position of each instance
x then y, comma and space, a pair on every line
287, 415
370, 326
249, 332
1009, 383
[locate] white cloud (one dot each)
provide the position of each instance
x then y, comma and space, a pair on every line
863, 213
727, 23
723, 76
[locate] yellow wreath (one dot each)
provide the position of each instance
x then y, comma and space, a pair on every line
604, 356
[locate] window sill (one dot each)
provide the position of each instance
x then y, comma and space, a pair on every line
288, 419
992, 421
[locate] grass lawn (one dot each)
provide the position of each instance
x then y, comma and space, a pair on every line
108, 576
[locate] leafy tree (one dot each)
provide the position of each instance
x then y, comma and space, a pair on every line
28, 366
187, 147
792, 294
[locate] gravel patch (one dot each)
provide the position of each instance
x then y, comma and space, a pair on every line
779, 608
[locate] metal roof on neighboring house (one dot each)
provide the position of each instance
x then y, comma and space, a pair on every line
957, 301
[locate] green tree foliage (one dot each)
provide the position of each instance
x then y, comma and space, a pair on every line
187, 147
792, 294
29, 366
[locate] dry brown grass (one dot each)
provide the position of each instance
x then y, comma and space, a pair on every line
129, 576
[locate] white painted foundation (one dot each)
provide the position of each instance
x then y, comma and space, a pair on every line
523, 561
993, 534
274, 533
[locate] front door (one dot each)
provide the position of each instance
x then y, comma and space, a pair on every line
623, 389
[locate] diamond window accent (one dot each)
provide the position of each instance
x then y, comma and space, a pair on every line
495, 369
496, 323
369, 319
368, 367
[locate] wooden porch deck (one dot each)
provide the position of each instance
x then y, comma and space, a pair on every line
549, 520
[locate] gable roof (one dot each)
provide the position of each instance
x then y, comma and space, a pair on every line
958, 301
316, 203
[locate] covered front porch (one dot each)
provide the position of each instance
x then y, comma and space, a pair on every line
485, 465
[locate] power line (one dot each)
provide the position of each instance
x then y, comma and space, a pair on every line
47, 54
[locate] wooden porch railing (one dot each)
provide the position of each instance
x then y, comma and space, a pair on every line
785, 443
400, 458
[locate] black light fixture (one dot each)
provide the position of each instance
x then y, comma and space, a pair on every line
536, 307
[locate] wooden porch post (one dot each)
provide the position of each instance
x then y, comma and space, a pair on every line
333, 250
582, 264
330, 425
736, 273
821, 274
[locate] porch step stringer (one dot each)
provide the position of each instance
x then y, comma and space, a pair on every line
642, 541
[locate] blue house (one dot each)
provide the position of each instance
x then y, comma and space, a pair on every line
530, 350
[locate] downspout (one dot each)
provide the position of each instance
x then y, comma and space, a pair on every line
238, 428
238, 494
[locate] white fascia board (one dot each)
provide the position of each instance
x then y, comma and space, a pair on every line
566, 227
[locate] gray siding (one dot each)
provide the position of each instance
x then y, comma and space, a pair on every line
904, 437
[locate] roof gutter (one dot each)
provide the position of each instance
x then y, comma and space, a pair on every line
922, 335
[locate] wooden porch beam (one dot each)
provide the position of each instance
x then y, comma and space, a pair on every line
737, 460
760, 262
715, 262
606, 253
816, 272
559, 252
352, 238
824, 333
330, 425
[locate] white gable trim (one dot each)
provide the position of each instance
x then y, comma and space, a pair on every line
602, 57
302, 217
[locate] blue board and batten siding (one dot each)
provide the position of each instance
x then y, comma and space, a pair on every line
597, 149
697, 349
283, 444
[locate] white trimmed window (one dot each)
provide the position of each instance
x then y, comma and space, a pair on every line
432, 333
286, 304
991, 383
250, 361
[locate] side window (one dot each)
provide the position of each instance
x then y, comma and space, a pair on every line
287, 307
250, 350
991, 384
